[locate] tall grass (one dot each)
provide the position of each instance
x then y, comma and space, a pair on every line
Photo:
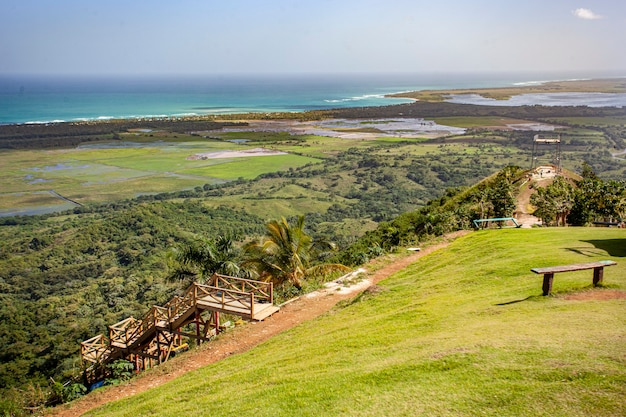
463, 331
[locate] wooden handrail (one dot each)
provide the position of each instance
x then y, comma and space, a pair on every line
95, 349
229, 292
264, 289
119, 331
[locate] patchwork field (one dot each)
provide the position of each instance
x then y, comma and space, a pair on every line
144, 162
39, 181
114, 171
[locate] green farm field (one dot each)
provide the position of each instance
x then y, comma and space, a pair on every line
592, 121
249, 168
468, 121
279, 198
141, 163
103, 173
463, 331
310, 145
144, 164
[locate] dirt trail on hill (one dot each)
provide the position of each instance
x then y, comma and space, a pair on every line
523, 205
539, 179
241, 339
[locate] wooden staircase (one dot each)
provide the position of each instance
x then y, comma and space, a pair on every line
158, 333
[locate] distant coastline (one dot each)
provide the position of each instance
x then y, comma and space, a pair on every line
58, 100
615, 85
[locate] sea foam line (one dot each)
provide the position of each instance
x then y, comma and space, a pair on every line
356, 98
41, 122
525, 83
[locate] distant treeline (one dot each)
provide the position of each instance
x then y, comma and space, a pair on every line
36, 136
33, 136
427, 109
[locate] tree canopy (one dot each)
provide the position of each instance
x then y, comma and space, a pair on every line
288, 254
199, 260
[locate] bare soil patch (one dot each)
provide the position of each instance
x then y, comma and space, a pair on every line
243, 338
597, 295
235, 154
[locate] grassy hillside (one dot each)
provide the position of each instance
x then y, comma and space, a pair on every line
464, 331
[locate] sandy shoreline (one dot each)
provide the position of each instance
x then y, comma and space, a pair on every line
608, 85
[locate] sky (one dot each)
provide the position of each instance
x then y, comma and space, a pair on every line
154, 37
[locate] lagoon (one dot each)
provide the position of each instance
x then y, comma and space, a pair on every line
545, 99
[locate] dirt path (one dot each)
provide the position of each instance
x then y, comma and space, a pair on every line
540, 178
242, 338
523, 203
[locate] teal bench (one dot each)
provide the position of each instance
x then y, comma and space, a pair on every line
497, 219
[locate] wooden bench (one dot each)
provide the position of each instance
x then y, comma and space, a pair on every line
548, 272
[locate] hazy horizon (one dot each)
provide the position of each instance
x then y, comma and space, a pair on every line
283, 37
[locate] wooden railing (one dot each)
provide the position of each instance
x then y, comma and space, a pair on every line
161, 314
231, 294
179, 305
97, 349
262, 290
148, 322
120, 332
226, 298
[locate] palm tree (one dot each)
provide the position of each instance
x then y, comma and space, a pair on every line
198, 261
288, 254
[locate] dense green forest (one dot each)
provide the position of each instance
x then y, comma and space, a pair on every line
64, 277
38, 136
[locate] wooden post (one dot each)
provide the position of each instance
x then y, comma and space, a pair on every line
597, 276
217, 322
547, 283
158, 347
271, 293
198, 327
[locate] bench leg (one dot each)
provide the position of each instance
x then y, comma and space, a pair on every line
597, 276
547, 283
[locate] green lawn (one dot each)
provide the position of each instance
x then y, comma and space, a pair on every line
462, 332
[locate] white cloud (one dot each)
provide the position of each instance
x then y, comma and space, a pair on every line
587, 14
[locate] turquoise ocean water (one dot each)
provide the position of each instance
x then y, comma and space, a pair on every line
41, 99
